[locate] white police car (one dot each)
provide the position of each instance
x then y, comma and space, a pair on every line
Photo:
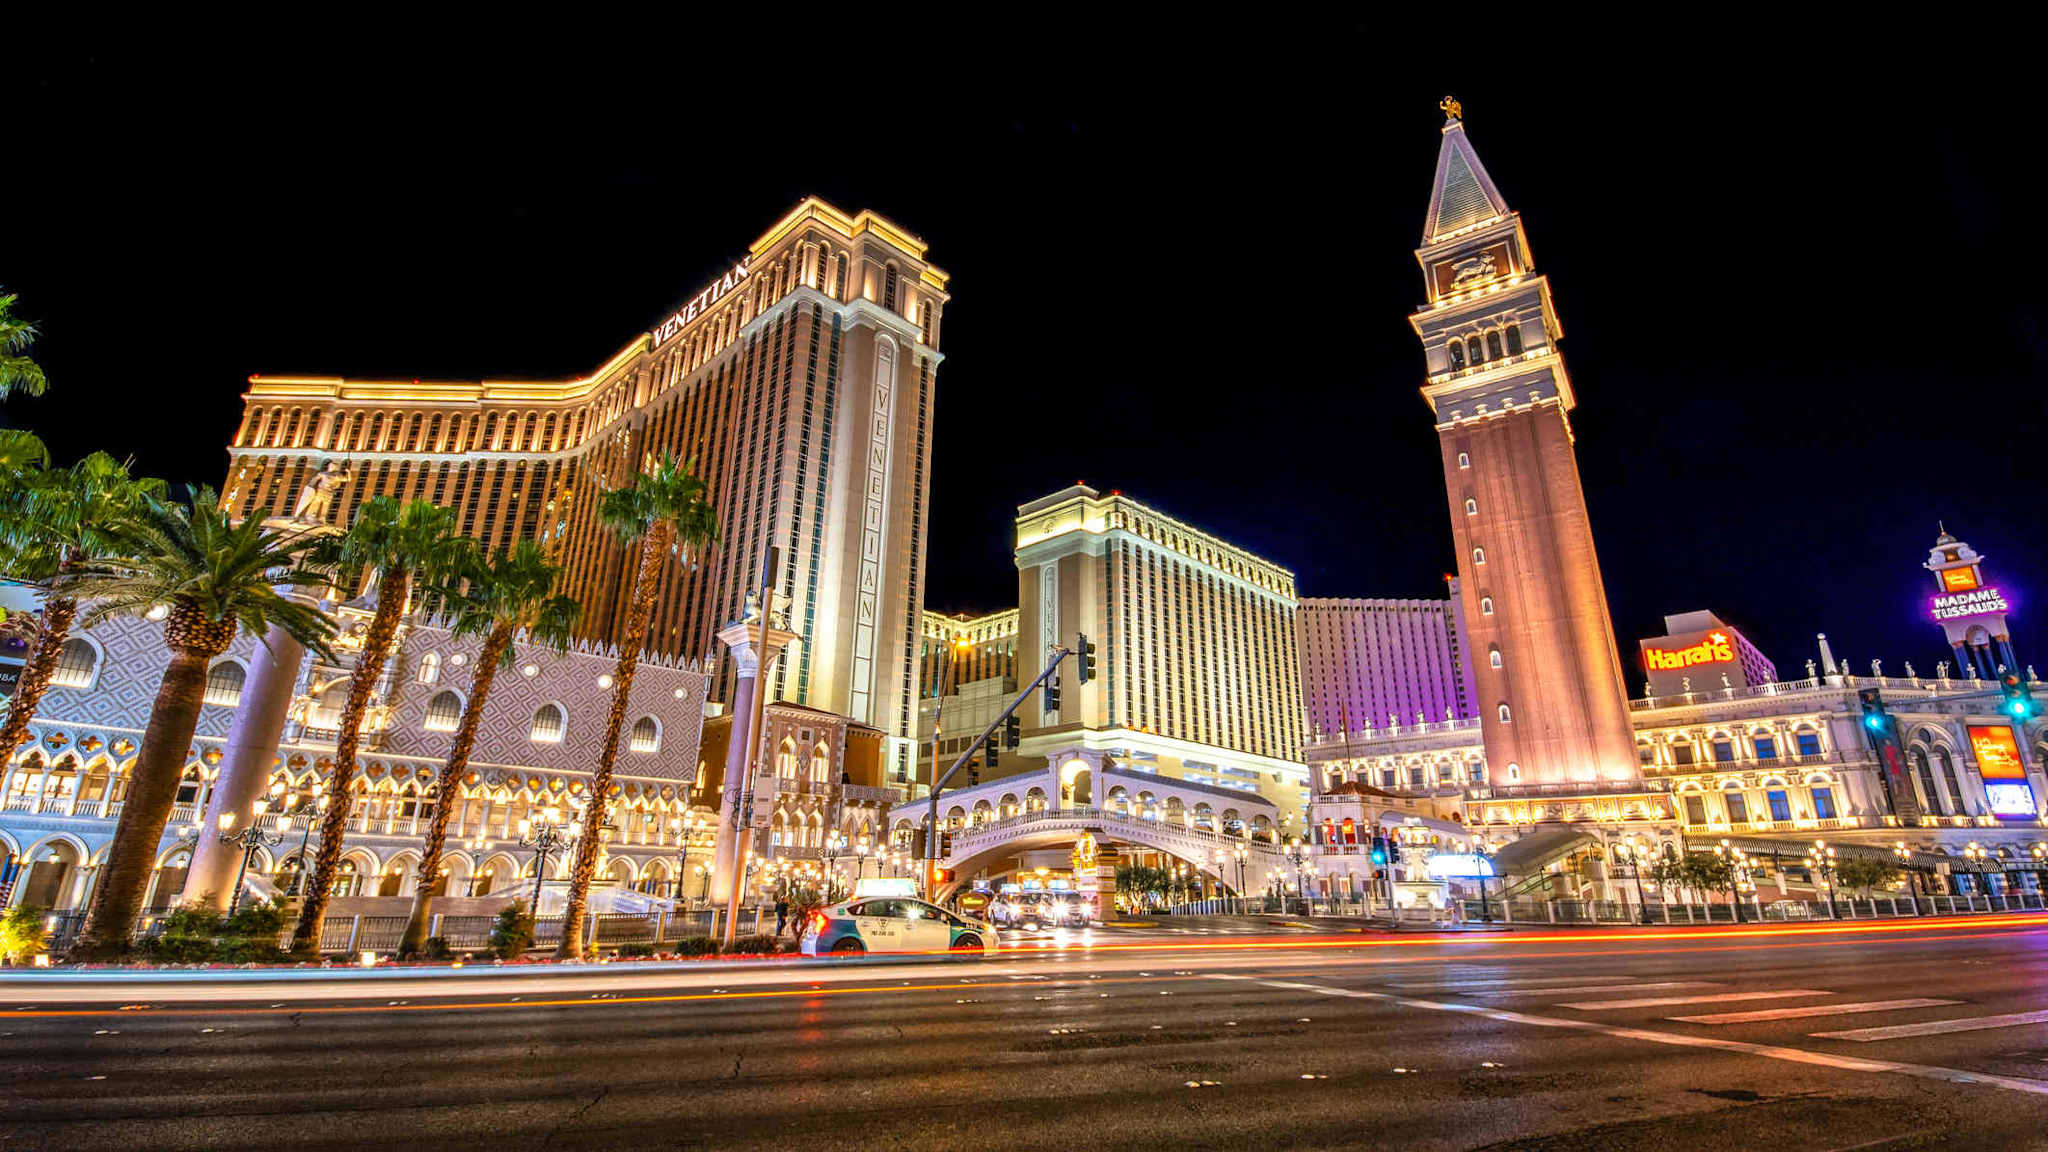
894, 924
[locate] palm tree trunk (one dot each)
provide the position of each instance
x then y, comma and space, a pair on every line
451, 775
653, 547
152, 787
392, 590
58, 613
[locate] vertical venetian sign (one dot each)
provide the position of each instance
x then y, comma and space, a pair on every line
873, 521
1048, 614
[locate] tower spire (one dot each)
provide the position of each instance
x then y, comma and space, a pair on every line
1463, 195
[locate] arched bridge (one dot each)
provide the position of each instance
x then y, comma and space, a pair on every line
977, 846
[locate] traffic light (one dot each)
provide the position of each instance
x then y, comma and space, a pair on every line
1875, 718
945, 845
993, 754
1013, 730
1052, 693
1086, 658
973, 772
1379, 850
2019, 697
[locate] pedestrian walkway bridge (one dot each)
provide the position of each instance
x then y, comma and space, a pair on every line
1214, 853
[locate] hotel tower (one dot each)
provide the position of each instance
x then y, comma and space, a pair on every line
801, 382
1547, 679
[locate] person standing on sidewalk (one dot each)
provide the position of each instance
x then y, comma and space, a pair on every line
781, 915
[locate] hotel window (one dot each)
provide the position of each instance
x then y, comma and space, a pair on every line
430, 668
1781, 805
1493, 655
1766, 746
1479, 555
1646, 754
1464, 461
1738, 807
889, 287
1475, 772
1475, 351
1514, 335
1695, 808
1514, 772
1824, 803
1386, 777
444, 712
1457, 355
1471, 506
1415, 776
646, 735
550, 725
1808, 742
1724, 749
76, 662
1505, 718
1493, 346
1486, 605
224, 684
1681, 752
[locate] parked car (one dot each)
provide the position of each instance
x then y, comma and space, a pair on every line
894, 924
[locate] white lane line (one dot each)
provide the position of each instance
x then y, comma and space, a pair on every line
1505, 982
1769, 1051
1937, 1027
1810, 1010
1663, 1001
1589, 988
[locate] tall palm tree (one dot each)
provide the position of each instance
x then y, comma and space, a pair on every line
410, 551
216, 577
665, 509
512, 592
19, 452
17, 371
54, 523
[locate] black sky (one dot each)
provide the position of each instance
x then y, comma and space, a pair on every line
1801, 303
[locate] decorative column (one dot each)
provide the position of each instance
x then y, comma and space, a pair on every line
754, 648
245, 766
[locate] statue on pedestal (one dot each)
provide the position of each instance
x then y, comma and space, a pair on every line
318, 494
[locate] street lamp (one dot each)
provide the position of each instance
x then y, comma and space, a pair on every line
1242, 853
1821, 858
252, 839
546, 837
685, 828
1738, 862
861, 848
1635, 867
477, 846
1974, 853
1905, 856
315, 804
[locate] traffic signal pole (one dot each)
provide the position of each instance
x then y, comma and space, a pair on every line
931, 839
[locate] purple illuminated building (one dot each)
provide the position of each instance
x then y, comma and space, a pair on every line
1371, 663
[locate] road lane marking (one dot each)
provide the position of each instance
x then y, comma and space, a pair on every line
1664, 1001
1589, 988
1769, 1051
1501, 982
1937, 1027
1811, 1010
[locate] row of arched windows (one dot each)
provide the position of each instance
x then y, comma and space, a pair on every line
1485, 347
361, 431
550, 723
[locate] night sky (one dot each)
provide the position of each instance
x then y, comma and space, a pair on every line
1802, 315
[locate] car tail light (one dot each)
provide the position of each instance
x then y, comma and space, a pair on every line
818, 922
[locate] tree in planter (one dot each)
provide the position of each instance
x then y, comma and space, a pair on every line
1863, 873
663, 510
54, 522
512, 931
410, 552
215, 577
18, 373
23, 931
512, 592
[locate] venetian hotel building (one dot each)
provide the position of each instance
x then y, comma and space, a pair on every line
801, 380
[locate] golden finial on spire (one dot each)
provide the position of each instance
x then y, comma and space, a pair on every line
1451, 108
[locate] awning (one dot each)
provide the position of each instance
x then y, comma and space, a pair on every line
1532, 852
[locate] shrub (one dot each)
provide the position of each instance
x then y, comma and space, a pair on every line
512, 932
635, 951
755, 945
695, 946
437, 948
23, 932
195, 934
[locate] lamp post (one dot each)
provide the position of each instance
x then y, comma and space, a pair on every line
1974, 853
546, 837
685, 828
1905, 856
1738, 864
2040, 852
1821, 859
1242, 853
312, 806
1635, 868
861, 848
252, 839
476, 845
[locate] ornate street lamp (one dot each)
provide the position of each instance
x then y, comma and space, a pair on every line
1635, 867
1820, 859
1905, 856
252, 840
477, 846
309, 810
546, 837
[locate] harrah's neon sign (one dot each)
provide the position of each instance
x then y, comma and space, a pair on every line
1984, 601
703, 300
1713, 650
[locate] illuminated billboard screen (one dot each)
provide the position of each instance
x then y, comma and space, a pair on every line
2005, 775
1958, 579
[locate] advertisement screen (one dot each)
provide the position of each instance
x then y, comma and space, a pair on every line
1958, 579
10, 675
2005, 775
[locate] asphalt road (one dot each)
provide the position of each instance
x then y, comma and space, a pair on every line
1876, 1036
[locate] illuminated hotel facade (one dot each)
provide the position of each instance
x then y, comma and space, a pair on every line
801, 381
1368, 663
1196, 673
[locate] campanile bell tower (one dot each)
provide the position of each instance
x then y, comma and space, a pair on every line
1552, 706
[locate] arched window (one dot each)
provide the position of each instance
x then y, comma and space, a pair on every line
889, 287
1931, 795
1457, 355
444, 712
1493, 346
76, 663
224, 684
550, 724
1475, 351
1948, 777
430, 668
785, 762
1464, 461
1514, 337
646, 735
1493, 655
1505, 718
1486, 605
1471, 506
1479, 555
1514, 771
821, 765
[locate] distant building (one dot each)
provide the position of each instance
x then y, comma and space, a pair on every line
1370, 663
1700, 652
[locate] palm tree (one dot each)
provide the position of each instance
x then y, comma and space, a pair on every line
17, 371
19, 452
511, 593
664, 509
410, 551
54, 523
216, 577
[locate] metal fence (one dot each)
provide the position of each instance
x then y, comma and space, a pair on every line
1627, 912
352, 934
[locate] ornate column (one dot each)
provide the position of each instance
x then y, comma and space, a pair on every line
753, 649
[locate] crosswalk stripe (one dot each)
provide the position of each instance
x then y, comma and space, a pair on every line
1661, 1001
1531, 981
1590, 988
1937, 1027
1810, 1010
